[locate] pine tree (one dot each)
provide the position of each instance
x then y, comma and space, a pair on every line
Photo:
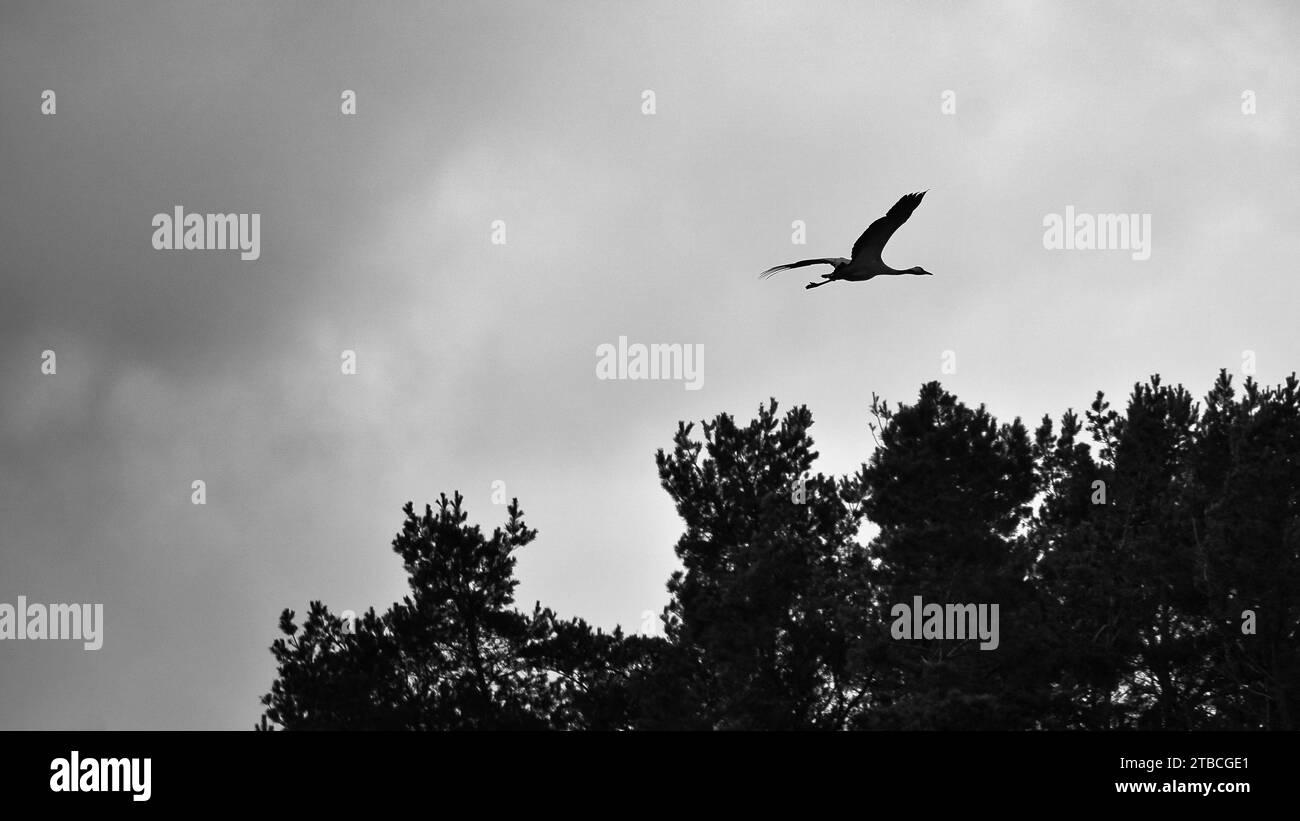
454, 654
765, 614
950, 489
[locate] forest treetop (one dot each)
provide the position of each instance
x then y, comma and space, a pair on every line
1146, 564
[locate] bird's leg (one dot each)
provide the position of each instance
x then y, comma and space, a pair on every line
817, 284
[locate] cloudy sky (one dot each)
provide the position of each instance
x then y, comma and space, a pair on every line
476, 362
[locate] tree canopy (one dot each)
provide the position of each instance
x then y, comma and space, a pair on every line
1145, 564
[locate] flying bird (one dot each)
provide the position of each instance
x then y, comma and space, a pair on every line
865, 262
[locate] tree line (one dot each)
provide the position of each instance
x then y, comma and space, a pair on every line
1145, 562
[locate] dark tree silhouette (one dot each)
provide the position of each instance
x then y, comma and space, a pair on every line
1146, 565
1249, 469
454, 654
1198, 524
950, 488
1130, 626
766, 613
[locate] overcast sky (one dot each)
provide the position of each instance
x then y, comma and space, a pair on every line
476, 362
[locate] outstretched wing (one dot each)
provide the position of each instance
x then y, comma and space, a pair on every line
801, 263
873, 240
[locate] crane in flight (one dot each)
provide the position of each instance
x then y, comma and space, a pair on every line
865, 262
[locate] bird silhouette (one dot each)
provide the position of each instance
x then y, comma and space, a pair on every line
865, 262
